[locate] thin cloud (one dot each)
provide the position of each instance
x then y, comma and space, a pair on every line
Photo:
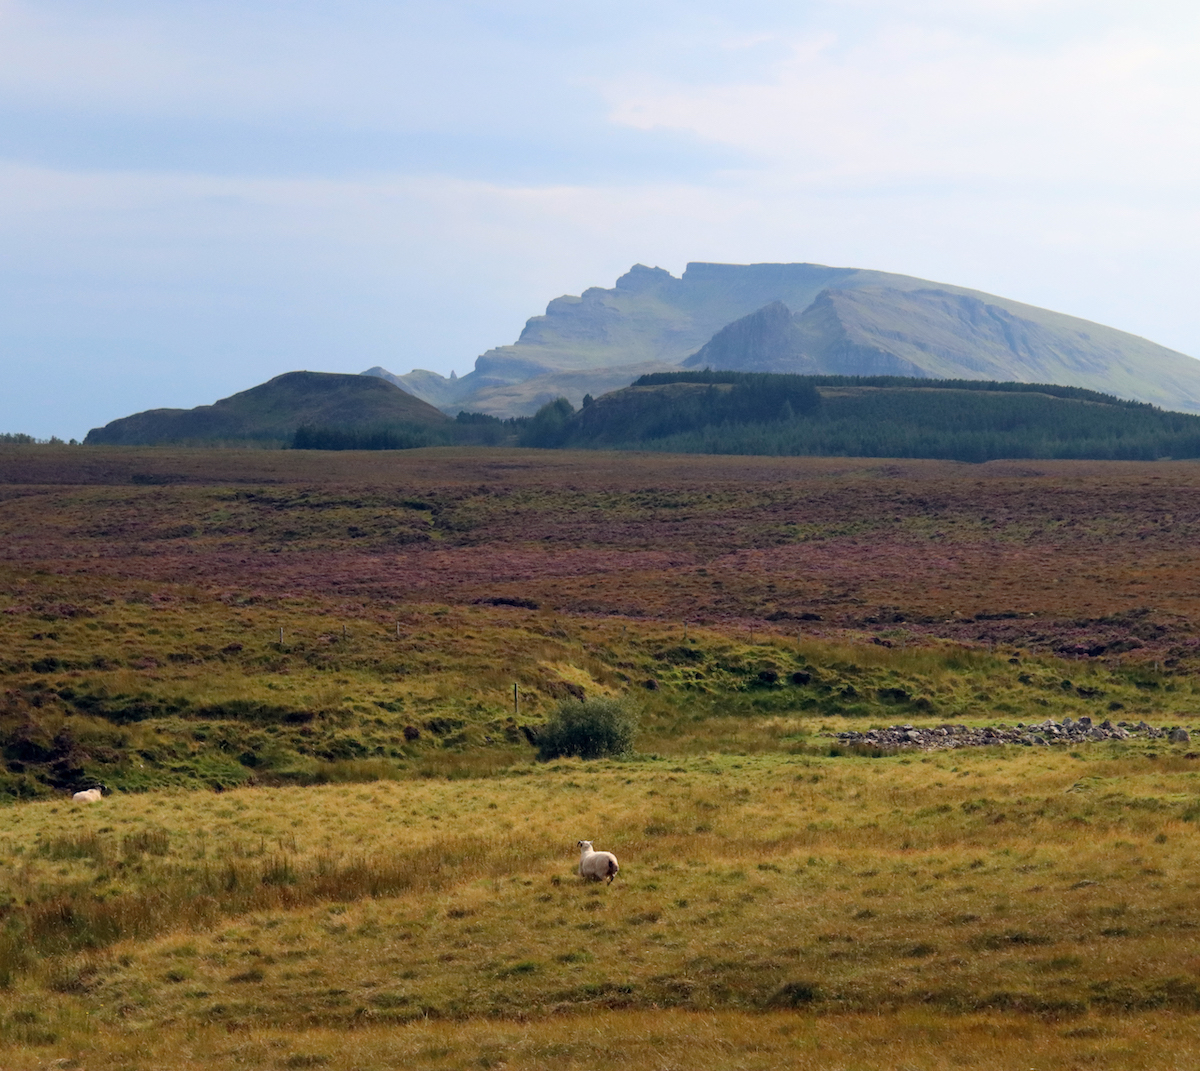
915, 103
194, 197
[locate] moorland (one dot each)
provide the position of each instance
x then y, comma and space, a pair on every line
328, 841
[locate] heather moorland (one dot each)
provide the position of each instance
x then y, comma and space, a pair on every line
314, 684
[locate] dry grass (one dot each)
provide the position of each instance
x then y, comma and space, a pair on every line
912, 1040
1036, 899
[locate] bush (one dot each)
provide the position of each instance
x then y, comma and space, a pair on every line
589, 728
549, 426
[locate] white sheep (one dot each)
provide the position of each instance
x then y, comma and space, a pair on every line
596, 865
88, 795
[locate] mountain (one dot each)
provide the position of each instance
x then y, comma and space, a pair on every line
940, 333
866, 416
274, 410
845, 320
774, 340
520, 398
428, 386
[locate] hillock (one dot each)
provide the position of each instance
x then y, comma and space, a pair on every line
275, 410
720, 412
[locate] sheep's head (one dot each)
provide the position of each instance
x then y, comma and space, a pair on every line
585, 845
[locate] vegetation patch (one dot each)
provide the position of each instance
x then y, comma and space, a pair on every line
588, 729
325, 809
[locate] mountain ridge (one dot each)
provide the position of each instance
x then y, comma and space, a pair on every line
886, 322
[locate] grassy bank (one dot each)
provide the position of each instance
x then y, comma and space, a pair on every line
192, 691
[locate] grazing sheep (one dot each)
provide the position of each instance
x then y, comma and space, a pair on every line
88, 795
596, 865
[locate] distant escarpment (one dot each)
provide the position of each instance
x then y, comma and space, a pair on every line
275, 411
806, 319
932, 333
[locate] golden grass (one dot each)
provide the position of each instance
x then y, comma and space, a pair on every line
912, 1040
1033, 899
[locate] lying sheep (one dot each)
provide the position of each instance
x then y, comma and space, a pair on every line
596, 865
88, 795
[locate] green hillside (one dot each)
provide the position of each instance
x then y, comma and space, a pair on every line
847, 321
275, 410
879, 416
942, 333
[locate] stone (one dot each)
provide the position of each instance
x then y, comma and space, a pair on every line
1179, 736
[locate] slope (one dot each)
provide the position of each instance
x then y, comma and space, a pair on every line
858, 321
942, 333
881, 416
274, 410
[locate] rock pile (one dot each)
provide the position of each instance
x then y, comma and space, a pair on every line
1043, 733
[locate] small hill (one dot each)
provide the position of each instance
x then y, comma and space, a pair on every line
275, 410
722, 412
846, 321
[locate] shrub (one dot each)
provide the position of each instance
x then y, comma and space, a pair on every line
589, 728
548, 427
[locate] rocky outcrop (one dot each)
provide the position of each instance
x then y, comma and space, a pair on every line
1039, 734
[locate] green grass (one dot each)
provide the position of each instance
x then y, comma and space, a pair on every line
194, 692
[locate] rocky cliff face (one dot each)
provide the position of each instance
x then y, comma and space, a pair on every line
838, 320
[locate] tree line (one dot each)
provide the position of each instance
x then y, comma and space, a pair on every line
867, 416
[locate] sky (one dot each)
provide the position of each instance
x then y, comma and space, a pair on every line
196, 196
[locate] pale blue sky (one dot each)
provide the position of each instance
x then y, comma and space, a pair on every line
197, 196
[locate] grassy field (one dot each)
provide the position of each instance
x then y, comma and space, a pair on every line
385, 875
1041, 899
